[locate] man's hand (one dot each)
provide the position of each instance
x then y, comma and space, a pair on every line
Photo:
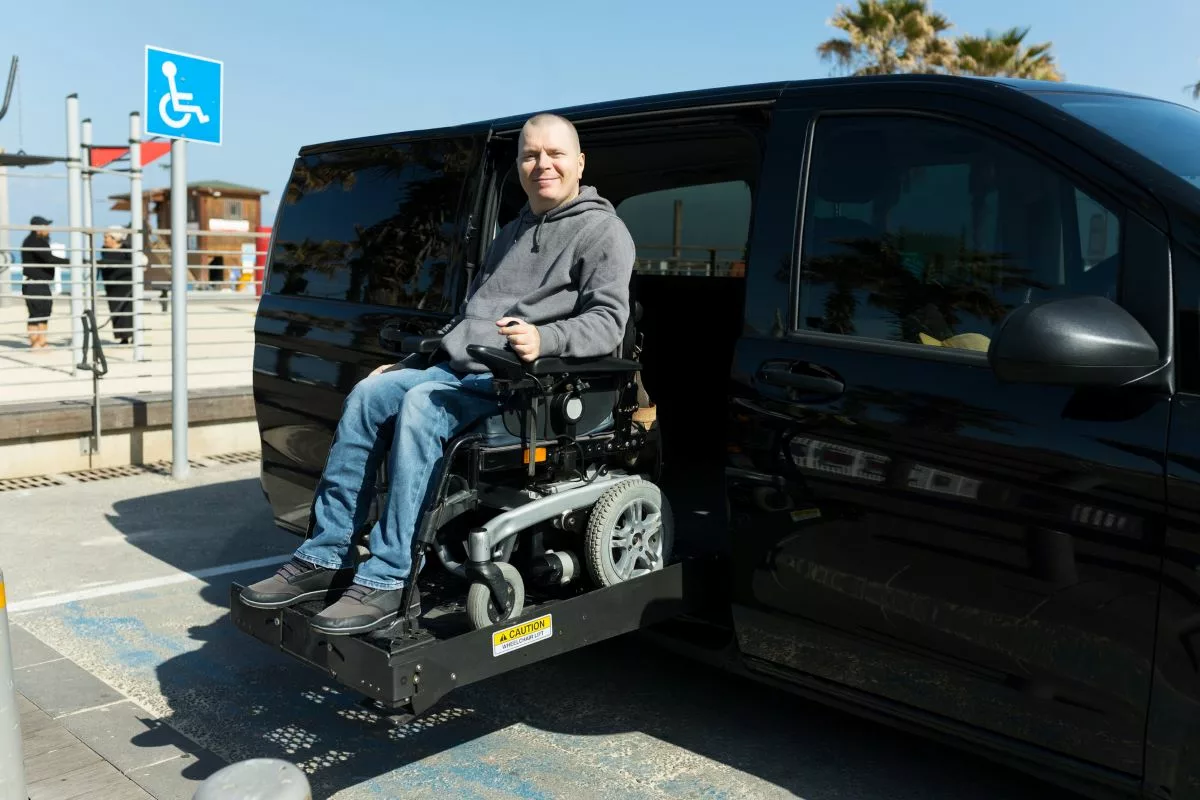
382, 368
524, 338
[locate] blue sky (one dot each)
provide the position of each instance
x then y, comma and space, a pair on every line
300, 72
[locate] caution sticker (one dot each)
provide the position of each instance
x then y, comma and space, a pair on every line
518, 636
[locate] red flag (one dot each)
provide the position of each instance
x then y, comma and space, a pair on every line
153, 150
103, 156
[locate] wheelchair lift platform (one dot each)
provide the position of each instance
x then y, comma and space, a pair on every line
408, 672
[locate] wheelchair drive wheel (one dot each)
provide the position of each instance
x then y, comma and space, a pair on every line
630, 533
481, 608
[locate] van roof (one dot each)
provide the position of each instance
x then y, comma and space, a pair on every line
728, 95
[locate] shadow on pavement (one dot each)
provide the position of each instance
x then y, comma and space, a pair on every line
241, 699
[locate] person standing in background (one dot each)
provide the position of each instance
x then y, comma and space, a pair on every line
37, 267
116, 270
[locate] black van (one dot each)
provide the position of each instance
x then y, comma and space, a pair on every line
925, 354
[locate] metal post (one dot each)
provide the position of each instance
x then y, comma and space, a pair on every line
75, 237
12, 759
90, 238
6, 259
677, 232
179, 281
136, 243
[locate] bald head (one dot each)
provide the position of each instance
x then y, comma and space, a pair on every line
550, 120
549, 161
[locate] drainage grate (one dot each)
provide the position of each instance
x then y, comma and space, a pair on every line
244, 457
32, 482
125, 471
122, 471
104, 473
164, 467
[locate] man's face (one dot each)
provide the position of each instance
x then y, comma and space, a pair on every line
550, 164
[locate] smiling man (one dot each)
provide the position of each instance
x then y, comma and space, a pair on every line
530, 290
555, 283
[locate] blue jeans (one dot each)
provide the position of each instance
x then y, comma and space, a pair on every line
428, 406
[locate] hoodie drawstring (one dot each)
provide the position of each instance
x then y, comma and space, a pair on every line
538, 230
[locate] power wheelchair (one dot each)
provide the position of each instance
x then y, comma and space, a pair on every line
558, 491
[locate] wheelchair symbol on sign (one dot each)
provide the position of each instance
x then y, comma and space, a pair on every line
176, 100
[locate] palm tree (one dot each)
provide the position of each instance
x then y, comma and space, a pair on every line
1196, 91
1006, 55
888, 36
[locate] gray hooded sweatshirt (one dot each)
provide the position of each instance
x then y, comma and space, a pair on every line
566, 271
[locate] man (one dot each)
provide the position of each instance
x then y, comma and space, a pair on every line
555, 283
37, 268
116, 271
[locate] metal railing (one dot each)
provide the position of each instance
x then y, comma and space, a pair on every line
706, 260
132, 306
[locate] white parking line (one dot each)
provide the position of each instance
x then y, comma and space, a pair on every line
137, 586
94, 708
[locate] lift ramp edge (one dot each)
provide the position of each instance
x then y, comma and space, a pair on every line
418, 671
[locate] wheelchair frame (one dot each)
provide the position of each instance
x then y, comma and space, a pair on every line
544, 386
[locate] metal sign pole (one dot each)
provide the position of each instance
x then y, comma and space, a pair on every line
89, 238
12, 760
192, 115
75, 237
135, 241
6, 259
179, 281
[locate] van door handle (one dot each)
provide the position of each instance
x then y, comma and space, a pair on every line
814, 384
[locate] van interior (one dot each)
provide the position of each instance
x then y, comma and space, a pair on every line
685, 191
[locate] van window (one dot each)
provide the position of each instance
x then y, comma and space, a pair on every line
684, 193
373, 225
1186, 274
692, 230
920, 231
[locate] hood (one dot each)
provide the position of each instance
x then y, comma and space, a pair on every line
586, 201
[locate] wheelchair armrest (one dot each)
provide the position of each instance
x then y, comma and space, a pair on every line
505, 364
502, 363
398, 341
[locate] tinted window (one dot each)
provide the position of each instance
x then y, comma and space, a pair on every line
692, 230
1166, 133
1187, 298
921, 231
373, 225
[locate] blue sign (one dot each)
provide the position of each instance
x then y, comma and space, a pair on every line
183, 96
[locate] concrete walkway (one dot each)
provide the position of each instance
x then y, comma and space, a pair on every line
84, 740
220, 350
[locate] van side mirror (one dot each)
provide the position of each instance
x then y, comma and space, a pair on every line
1078, 341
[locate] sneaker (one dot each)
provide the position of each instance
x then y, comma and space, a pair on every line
295, 582
359, 610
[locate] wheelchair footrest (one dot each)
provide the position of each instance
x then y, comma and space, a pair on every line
413, 671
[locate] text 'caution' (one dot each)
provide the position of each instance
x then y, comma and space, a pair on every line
518, 636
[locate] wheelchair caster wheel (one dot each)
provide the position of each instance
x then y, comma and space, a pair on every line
630, 532
481, 608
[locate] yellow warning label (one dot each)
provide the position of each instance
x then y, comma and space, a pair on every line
1, 594
804, 514
518, 636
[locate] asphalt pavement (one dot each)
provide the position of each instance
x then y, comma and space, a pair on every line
127, 581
